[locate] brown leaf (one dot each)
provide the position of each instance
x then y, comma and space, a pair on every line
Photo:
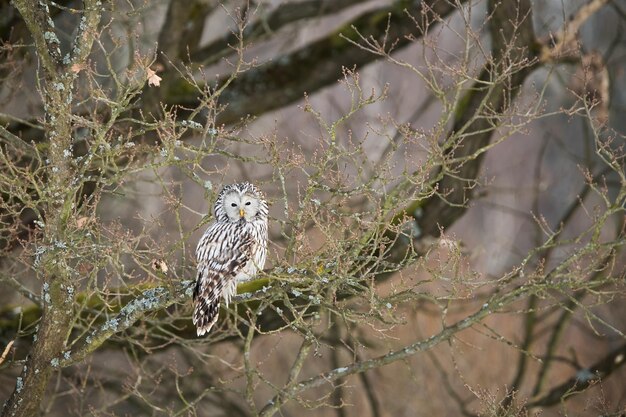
76, 68
159, 265
81, 222
153, 79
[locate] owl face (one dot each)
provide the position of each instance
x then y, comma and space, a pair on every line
240, 202
241, 205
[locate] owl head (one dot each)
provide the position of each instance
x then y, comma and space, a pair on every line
240, 202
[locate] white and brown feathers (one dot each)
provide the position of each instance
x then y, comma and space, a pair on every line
233, 249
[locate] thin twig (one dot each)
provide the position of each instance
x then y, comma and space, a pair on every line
6, 351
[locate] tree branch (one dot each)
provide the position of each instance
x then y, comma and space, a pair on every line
150, 300
495, 304
58, 288
280, 17
564, 41
583, 379
480, 111
286, 79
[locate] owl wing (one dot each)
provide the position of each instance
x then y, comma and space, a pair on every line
222, 253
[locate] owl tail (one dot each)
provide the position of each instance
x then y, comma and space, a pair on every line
206, 300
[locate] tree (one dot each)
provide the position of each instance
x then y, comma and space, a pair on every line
383, 281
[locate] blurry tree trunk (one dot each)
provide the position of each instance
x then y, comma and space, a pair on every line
58, 74
482, 109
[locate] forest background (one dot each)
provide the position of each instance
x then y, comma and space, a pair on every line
447, 189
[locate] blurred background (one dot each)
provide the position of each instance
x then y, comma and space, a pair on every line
446, 189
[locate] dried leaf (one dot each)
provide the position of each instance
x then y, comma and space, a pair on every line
81, 222
153, 79
159, 265
76, 68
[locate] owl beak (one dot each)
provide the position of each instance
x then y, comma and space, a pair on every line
241, 212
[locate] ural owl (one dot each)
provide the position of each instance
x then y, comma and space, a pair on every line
233, 249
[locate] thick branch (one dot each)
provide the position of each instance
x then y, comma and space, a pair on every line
481, 111
285, 79
41, 28
58, 286
182, 29
283, 15
140, 302
151, 300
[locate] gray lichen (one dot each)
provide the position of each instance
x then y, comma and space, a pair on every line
19, 384
51, 37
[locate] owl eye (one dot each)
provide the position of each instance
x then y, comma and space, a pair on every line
233, 204
247, 203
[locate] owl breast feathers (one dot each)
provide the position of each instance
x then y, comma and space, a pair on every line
232, 250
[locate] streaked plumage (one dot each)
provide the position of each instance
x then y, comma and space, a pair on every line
233, 249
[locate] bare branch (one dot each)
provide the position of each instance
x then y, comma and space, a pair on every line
584, 378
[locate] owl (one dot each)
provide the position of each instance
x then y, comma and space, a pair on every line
233, 249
